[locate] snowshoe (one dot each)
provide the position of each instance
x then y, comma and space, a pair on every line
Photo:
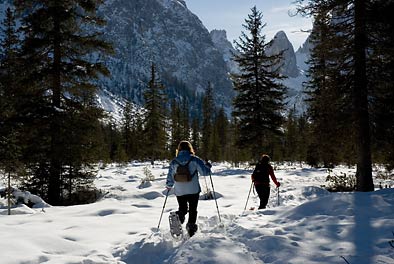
191, 229
175, 225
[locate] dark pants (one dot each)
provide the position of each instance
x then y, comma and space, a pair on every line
185, 201
264, 193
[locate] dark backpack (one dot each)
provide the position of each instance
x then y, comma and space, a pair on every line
261, 173
182, 173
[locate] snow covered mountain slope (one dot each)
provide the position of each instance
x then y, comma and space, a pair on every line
310, 225
219, 38
187, 56
166, 33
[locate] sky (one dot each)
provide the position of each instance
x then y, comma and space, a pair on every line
230, 15
307, 224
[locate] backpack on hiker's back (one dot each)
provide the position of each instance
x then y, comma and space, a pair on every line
261, 173
183, 173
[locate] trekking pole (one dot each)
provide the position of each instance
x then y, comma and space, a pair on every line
251, 185
208, 191
164, 205
214, 196
277, 188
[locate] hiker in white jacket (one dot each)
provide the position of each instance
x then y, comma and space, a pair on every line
188, 190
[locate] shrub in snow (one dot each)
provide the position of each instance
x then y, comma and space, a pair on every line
341, 182
385, 176
148, 175
85, 196
24, 197
207, 194
146, 181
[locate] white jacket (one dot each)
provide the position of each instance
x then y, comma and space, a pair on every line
196, 166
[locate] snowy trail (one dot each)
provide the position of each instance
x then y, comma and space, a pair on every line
211, 244
310, 226
303, 234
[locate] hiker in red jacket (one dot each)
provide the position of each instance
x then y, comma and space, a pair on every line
260, 178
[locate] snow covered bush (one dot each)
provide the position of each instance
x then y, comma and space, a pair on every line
24, 197
148, 175
146, 181
341, 182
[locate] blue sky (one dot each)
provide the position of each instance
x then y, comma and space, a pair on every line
231, 14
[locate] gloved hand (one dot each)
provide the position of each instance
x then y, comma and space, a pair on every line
209, 165
278, 185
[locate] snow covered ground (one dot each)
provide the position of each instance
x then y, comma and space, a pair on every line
310, 225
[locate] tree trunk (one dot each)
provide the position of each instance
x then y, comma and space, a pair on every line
363, 141
9, 193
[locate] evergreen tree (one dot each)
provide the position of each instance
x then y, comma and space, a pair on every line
155, 126
214, 144
349, 21
59, 37
260, 96
138, 136
176, 133
208, 109
127, 130
195, 135
10, 92
185, 121
304, 135
235, 154
290, 137
381, 70
221, 130
330, 105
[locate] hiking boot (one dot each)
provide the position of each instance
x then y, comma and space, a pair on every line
191, 229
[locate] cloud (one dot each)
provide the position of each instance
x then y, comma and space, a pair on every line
280, 9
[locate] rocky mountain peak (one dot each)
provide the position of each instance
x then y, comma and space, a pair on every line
219, 39
281, 43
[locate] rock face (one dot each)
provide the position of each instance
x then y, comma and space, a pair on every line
166, 33
281, 43
296, 96
219, 38
303, 54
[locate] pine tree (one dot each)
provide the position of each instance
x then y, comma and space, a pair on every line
195, 136
10, 92
291, 137
330, 105
185, 121
59, 39
127, 130
214, 144
221, 125
176, 133
349, 21
381, 71
208, 109
260, 95
155, 126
